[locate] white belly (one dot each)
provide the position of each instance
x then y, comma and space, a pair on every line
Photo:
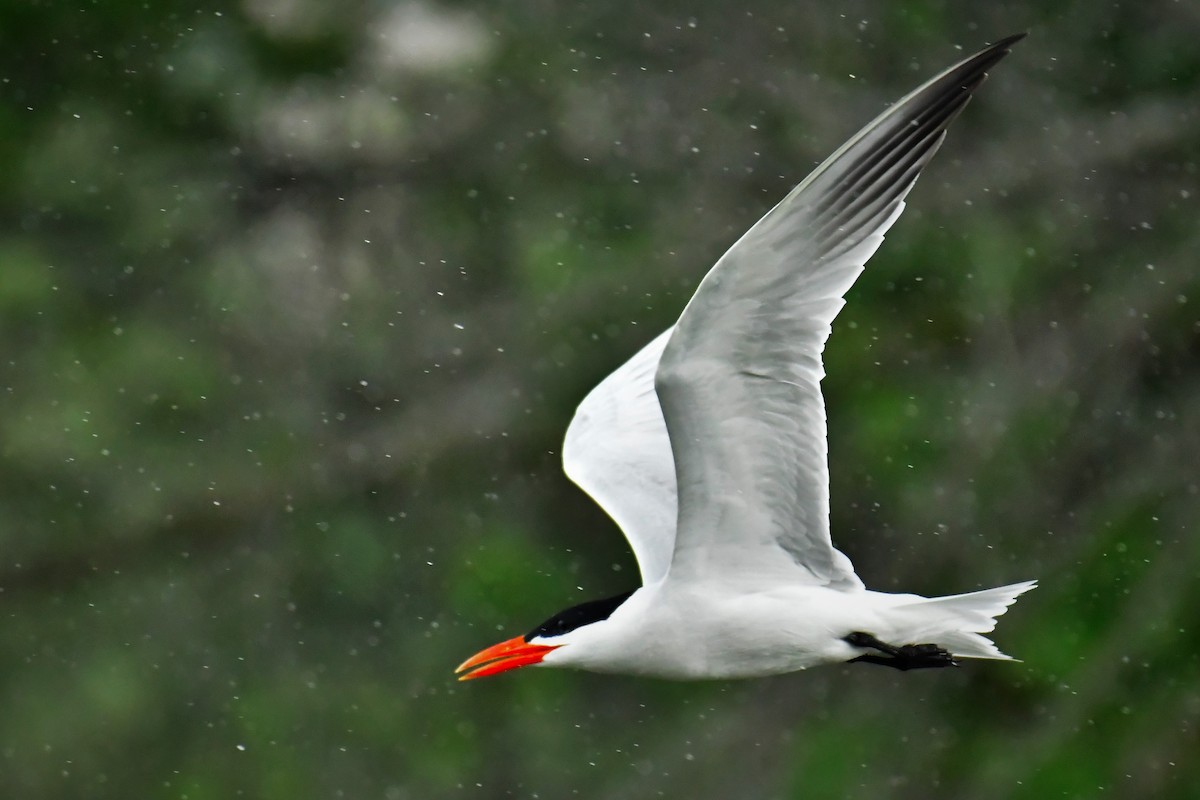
722, 633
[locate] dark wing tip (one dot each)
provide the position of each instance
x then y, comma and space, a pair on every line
998, 49
989, 56
1011, 40
856, 186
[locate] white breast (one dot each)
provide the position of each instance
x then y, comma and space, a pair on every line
716, 631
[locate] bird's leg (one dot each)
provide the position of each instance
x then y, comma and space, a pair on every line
902, 657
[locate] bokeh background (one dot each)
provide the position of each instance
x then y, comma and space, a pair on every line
298, 297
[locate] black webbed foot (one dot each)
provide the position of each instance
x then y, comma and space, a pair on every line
902, 657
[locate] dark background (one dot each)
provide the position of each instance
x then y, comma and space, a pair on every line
297, 299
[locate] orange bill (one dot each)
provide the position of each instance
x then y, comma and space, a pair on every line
502, 657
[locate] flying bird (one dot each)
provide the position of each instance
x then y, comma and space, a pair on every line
708, 449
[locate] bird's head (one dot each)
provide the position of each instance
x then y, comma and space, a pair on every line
562, 630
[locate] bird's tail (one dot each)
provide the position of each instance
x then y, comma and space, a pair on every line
956, 622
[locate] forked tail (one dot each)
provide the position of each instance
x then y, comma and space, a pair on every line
957, 621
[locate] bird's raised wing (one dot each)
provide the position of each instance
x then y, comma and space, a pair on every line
739, 380
617, 450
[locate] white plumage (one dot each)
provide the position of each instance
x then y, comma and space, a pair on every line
708, 449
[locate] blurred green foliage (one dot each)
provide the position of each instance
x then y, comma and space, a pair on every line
297, 298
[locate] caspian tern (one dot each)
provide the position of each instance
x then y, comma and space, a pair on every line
708, 449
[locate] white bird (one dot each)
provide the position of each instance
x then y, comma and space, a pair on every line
708, 449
